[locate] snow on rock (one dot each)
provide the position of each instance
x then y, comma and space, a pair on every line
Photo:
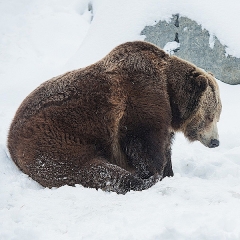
41, 39
171, 47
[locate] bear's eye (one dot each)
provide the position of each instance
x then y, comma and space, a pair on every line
210, 119
201, 125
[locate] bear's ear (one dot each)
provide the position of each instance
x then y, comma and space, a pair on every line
201, 82
211, 74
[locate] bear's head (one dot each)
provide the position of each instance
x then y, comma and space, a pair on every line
202, 125
195, 102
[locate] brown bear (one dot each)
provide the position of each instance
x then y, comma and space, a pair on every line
110, 125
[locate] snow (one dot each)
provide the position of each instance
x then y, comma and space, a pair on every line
40, 39
170, 47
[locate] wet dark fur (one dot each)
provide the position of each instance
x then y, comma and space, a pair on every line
109, 125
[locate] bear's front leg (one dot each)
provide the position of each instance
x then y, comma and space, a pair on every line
149, 152
168, 172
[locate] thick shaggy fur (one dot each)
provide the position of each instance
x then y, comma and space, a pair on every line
110, 125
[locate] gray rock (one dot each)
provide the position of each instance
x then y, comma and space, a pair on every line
195, 47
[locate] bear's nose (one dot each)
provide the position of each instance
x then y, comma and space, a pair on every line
214, 143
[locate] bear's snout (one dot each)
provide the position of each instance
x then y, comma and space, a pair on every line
214, 143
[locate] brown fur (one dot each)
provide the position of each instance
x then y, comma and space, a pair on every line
110, 125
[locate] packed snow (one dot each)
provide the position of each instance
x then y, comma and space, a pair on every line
40, 39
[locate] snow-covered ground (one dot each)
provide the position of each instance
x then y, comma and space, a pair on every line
40, 39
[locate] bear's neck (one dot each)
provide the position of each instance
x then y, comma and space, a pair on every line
179, 116
182, 94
